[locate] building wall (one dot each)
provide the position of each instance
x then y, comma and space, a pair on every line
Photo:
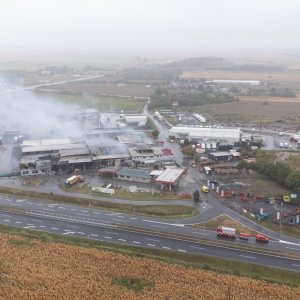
134, 179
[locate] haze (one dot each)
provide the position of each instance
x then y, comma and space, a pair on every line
134, 27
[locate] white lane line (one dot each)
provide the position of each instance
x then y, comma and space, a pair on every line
96, 213
73, 209
18, 222
153, 240
4, 215
111, 232
203, 233
180, 250
29, 224
21, 200
293, 248
34, 220
108, 237
48, 209
151, 221
61, 207
69, 232
246, 256
29, 202
168, 248
40, 204
120, 216
159, 226
54, 228
79, 214
133, 218
118, 220
72, 226
85, 211
27, 227
295, 265
79, 232
199, 248
121, 240
42, 226
6, 220
92, 234
151, 245
136, 242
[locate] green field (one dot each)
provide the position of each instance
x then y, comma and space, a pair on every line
103, 103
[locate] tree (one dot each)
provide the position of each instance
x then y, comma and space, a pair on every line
155, 133
188, 150
196, 195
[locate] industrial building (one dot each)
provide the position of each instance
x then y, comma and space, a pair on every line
206, 135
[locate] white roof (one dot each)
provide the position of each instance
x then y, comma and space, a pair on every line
170, 175
195, 132
156, 172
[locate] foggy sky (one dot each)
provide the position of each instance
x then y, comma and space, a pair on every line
142, 27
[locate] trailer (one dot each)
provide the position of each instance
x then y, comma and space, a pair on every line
74, 179
226, 231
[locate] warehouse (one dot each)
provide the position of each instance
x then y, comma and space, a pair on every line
223, 156
135, 175
206, 135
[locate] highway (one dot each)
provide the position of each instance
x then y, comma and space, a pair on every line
106, 232
178, 227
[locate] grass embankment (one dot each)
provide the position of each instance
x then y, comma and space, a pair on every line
28, 238
169, 211
121, 194
226, 221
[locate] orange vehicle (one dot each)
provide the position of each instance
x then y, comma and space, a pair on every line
244, 236
262, 238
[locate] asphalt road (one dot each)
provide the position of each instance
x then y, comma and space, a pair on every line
109, 218
108, 233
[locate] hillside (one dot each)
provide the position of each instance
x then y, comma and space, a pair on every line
31, 269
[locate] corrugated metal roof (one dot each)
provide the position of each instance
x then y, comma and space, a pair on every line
134, 173
170, 175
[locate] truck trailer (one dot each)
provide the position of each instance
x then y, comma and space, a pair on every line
226, 231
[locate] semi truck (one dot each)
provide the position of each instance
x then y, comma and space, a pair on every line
74, 179
226, 231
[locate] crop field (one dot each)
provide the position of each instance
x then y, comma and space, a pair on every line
253, 111
32, 269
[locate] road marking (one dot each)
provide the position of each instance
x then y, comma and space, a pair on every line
203, 233
133, 218
49, 209
293, 248
168, 248
199, 248
40, 204
118, 220
79, 214
246, 256
289, 243
34, 220
92, 234
69, 232
121, 240
20, 200
72, 226
42, 226
29, 224
151, 245
153, 240
18, 222
96, 213
120, 216
159, 226
136, 242
151, 221
61, 207
29, 202
111, 232
108, 237
26, 227
6, 220
54, 228
180, 250
73, 209
85, 211
79, 232
295, 265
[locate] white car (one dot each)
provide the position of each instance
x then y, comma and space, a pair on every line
280, 133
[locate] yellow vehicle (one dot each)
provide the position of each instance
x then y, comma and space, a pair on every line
204, 189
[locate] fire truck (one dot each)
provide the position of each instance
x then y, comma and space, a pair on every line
226, 231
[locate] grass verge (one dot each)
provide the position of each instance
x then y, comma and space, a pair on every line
169, 211
269, 274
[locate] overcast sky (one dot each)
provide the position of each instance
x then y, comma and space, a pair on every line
141, 27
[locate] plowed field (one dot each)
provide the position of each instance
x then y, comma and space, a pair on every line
38, 270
